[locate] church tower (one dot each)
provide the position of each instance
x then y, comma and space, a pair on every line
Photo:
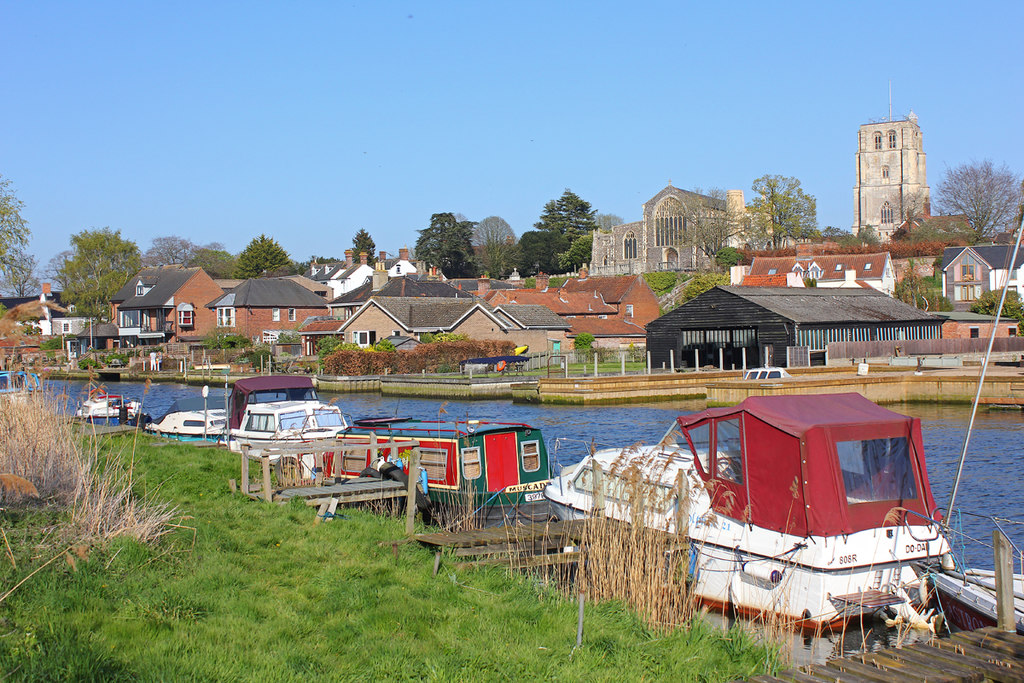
891, 182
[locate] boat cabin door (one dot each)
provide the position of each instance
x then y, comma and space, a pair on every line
501, 460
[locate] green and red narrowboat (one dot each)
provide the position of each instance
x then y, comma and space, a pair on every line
487, 472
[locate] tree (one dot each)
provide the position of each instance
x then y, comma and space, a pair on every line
781, 211
539, 250
362, 242
101, 262
584, 341
701, 283
986, 195
987, 303
262, 256
448, 244
568, 215
607, 221
13, 228
578, 253
171, 250
913, 290
215, 260
710, 226
54, 269
20, 278
496, 243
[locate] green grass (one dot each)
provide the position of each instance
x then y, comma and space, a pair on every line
255, 592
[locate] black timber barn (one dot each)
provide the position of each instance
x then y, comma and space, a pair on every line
758, 324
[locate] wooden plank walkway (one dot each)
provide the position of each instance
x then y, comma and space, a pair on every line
349, 491
521, 545
987, 654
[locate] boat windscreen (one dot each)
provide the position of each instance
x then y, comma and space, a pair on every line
326, 417
876, 469
283, 394
293, 420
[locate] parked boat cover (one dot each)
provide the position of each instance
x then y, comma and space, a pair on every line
292, 386
821, 465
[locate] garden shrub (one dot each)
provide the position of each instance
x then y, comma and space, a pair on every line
435, 357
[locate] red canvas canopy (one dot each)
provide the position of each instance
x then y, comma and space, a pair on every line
290, 388
816, 465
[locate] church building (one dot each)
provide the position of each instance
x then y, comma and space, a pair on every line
662, 239
891, 184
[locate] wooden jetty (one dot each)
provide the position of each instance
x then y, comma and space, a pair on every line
521, 545
989, 654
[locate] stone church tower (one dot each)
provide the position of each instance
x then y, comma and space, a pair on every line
891, 182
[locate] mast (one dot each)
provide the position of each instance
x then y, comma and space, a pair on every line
984, 365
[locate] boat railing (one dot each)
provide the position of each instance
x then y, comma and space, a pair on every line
958, 538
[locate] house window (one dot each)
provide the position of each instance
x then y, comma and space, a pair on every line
885, 173
878, 141
275, 314
867, 266
772, 271
892, 139
291, 314
975, 333
1011, 331
967, 292
886, 217
629, 310
140, 289
186, 318
530, 452
471, 463
435, 462
398, 269
967, 272
225, 317
629, 245
364, 338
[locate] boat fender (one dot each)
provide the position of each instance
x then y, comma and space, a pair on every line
764, 571
371, 472
389, 471
423, 482
948, 562
924, 591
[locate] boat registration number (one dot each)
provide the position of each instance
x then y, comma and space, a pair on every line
534, 496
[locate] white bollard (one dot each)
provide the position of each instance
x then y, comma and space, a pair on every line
696, 360
721, 359
744, 359
648, 362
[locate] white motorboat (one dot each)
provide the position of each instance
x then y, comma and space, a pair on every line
191, 419
275, 409
108, 409
809, 508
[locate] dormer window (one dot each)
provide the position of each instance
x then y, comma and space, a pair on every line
867, 266
839, 267
773, 271
140, 289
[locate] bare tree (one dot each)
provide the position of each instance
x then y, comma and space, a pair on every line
20, 278
710, 225
170, 250
985, 194
607, 221
55, 271
495, 241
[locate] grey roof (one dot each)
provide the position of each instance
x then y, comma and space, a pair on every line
417, 287
812, 305
995, 255
104, 330
356, 296
534, 316
266, 292
428, 313
968, 317
164, 280
468, 284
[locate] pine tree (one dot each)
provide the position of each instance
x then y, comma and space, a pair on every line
362, 242
263, 256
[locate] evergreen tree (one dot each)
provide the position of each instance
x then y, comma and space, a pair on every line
263, 256
362, 242
569, 216
447, 244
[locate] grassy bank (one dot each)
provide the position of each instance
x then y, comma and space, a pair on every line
246, 590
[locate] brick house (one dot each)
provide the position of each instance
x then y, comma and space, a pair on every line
164, 304
967, 325
263, 308
969, 272
847, 271
344, 306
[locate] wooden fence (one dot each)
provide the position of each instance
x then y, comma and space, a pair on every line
923, 347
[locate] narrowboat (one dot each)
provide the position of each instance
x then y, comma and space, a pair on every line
482, 473
813, 509
279, 409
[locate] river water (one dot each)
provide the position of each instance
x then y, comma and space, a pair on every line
992, 485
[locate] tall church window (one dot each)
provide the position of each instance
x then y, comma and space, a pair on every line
886, 213
629, 245
885, 173
892, 139
669, 223
878, 141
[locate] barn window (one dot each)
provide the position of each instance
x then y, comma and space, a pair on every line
435, 462
629, 245
471, 463
530, 454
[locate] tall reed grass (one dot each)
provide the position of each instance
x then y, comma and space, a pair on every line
38, 442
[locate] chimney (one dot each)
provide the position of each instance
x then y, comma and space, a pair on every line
542, 282
851, 276
403, 253
483, 285
362, 258
737, 273
348, 257
584, 272
383, 256
380, 278
46, 289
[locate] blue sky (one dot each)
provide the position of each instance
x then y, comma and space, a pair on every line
306, 121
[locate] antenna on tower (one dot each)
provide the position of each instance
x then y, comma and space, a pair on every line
890, 99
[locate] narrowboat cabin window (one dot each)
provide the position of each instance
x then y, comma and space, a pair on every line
328, 418
435, 462
293, 420
700, 444
531, 455
471, 463
729, 451
876, 469
260, 423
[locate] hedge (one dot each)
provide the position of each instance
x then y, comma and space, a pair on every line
436, 357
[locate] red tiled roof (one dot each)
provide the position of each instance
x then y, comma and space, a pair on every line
606, 327
315, 326
561, 302
778, 280
611, 288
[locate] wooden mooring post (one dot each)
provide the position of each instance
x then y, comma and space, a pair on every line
598, 475
1004, 582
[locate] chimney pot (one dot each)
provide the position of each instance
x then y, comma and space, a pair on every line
362, 258
348, 256
403, 253
46, 288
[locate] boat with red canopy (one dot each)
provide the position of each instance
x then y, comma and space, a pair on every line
811, 508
